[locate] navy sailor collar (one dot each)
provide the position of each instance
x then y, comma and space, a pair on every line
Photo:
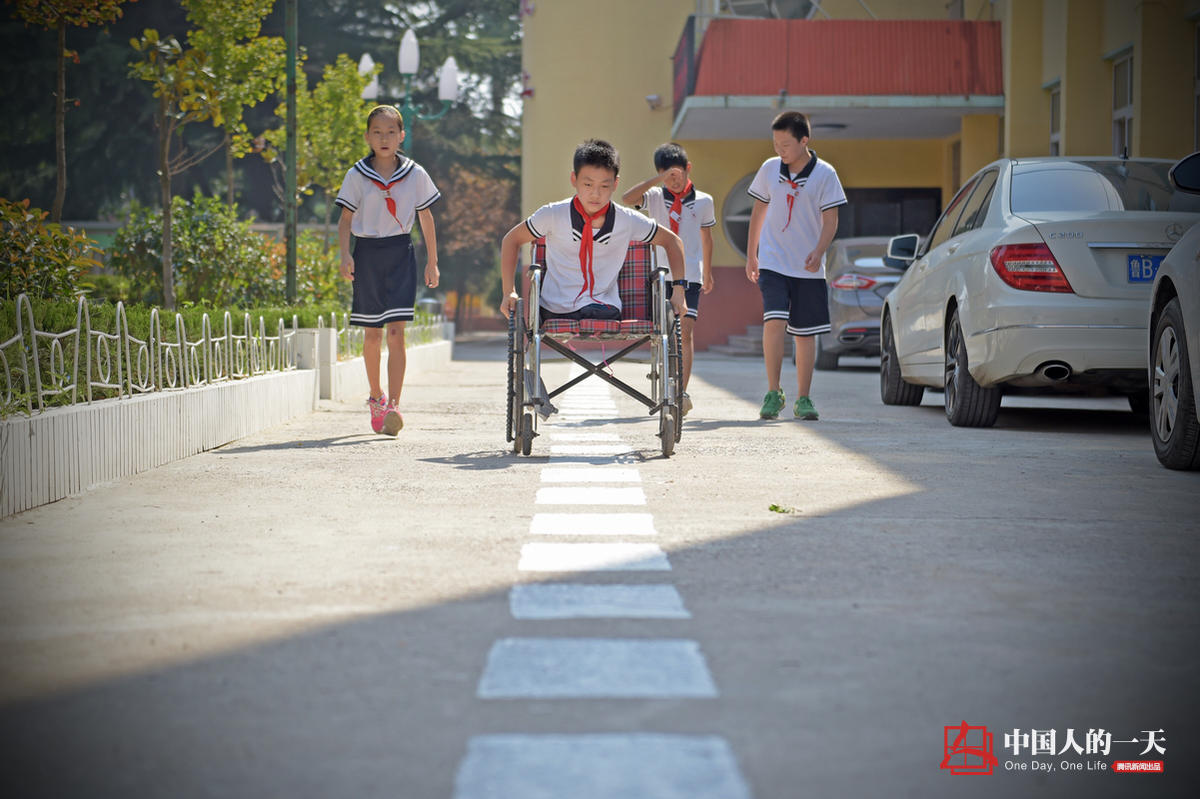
688, 199
804, 173
610, 218
366, 167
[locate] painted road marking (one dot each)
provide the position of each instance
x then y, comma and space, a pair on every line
592, 557
586, 436
592, 524
590, 474
593, 601
593, 668
590, 449
590, 495
636, 766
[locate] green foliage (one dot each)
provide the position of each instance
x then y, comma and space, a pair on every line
75, 13
39, 259
330, 122
181, 79
220, 260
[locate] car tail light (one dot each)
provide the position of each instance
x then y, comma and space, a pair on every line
853, 282
1029, 267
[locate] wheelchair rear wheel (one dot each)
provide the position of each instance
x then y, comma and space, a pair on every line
517, 419
675, 368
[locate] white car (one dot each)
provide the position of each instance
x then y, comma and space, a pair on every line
1035, 278
1175, 341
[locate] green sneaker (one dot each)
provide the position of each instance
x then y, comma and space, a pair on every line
772, 404
804, 410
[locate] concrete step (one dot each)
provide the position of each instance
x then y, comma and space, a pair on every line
747, 342
725, 349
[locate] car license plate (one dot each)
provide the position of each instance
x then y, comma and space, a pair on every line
1143, 268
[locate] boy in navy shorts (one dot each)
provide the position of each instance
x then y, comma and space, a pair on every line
690, 214
794, 220
586, 240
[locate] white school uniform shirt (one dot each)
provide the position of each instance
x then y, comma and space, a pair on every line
410, 187
783, 245
697, 212
562, 226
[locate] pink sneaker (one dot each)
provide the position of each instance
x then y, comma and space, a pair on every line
392, 420
378, 408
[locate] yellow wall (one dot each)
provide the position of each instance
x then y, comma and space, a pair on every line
1087, 85
1026, 106
1120, 21
1163, 82
917, 163
591, 72
1054, 31
980, 142
1078, 39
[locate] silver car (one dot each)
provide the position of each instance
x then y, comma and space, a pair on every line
1034, 278
1175, 341
860, 276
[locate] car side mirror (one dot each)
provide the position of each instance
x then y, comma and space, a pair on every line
1186, 174
903, 249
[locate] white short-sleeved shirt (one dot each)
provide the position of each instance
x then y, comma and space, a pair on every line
562, 226
783, 245
697, 212
363, 193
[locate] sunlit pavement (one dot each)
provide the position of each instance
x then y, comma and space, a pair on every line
781, 609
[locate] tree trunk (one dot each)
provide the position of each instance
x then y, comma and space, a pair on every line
60, 125
229, 166
164, 184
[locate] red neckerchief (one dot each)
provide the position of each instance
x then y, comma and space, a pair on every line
785, 174
677, 208
585, 247
387, 192
791, 198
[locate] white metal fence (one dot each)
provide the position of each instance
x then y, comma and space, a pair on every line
42, 368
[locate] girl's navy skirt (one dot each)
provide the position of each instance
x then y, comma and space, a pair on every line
385, 281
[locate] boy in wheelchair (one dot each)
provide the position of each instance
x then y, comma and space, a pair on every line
586, 239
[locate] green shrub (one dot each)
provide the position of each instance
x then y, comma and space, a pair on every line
218, 259
43, 261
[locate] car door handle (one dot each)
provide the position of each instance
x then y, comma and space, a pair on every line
953, 248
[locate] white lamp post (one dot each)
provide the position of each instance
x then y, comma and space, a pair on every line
409, 59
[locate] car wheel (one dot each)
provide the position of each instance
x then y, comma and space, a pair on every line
1173, 423
826, 361
893, 389
968, 404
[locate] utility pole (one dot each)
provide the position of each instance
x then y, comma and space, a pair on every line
289, 208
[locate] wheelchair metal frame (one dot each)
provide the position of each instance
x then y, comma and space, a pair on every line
525, 340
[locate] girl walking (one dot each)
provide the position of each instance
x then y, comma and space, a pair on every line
380, 197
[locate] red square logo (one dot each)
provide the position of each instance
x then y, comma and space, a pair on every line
967, 750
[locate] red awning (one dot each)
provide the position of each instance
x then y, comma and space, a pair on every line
850, 58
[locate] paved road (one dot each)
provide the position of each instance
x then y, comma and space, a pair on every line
316, 612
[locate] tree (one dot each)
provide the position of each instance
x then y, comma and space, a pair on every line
330, 121
246, 67
183, 85
56, 15
473, 219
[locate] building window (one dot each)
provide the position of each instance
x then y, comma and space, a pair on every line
1055, 121
735, 214
1123, 106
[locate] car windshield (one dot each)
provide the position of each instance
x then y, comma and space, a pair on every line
1099, 186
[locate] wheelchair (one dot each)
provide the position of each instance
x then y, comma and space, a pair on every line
646, 319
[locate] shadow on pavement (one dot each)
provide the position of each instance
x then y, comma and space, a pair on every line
842, 641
